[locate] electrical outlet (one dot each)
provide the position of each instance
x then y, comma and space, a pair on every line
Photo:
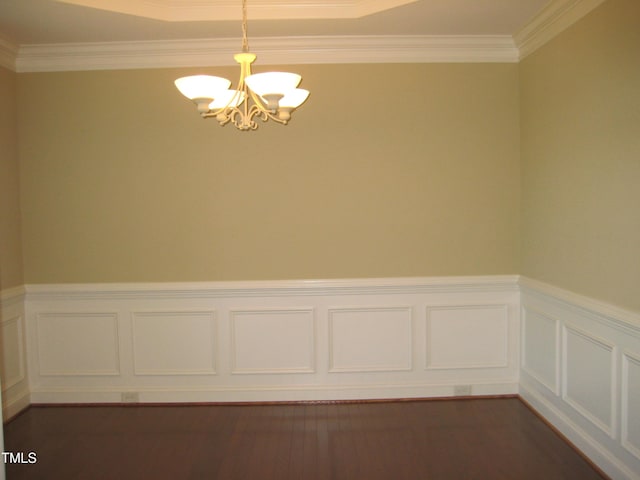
130, 397
462, 390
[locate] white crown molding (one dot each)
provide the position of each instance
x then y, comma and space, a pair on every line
270, 51
556, 17
8, 54
553, 19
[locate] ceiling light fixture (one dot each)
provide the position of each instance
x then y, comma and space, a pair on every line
269, 95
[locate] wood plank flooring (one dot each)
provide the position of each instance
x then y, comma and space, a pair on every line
408, 440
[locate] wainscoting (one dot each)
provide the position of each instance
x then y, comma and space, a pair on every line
575, 360
13, 361
272, 341
581, 371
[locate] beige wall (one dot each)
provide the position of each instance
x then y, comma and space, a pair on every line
580, 116
388, 170
121, 181
10, 241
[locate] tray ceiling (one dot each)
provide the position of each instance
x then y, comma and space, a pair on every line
28, 22
55, 35
200, 10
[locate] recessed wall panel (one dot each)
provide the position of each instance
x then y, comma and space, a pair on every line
631, 403
370, 339
174, 343
273, 341
540, 356
588, 377
467, 337
12, 352
72, 344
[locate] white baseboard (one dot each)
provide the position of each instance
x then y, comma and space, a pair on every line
267, 394
596, 453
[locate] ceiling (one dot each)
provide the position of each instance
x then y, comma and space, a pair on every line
62, 35
29, 22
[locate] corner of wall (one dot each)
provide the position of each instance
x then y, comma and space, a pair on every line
13, 362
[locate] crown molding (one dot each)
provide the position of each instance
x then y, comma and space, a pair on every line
270, 51
556, 17
8, 54
553, 19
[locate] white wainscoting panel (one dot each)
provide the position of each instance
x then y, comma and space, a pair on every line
540, 348
467, 336
13, 368
174, 343
78, 343
370, 339
13, 359
273, 341
589, 376
630, 403
598, 403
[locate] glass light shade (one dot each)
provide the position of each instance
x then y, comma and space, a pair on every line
224, 98
294, 98
201, 86
272, 82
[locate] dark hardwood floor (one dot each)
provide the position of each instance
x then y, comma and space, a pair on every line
445, 439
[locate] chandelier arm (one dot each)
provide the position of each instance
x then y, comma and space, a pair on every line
242, 121
257, 101
231, 108
228, 106
273, 117
259, 105
266, 115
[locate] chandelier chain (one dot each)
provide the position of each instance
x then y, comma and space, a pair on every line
245, 41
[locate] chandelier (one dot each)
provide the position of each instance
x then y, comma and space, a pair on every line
263, 96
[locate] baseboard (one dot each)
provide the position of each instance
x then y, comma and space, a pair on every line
268, 394
592, 450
